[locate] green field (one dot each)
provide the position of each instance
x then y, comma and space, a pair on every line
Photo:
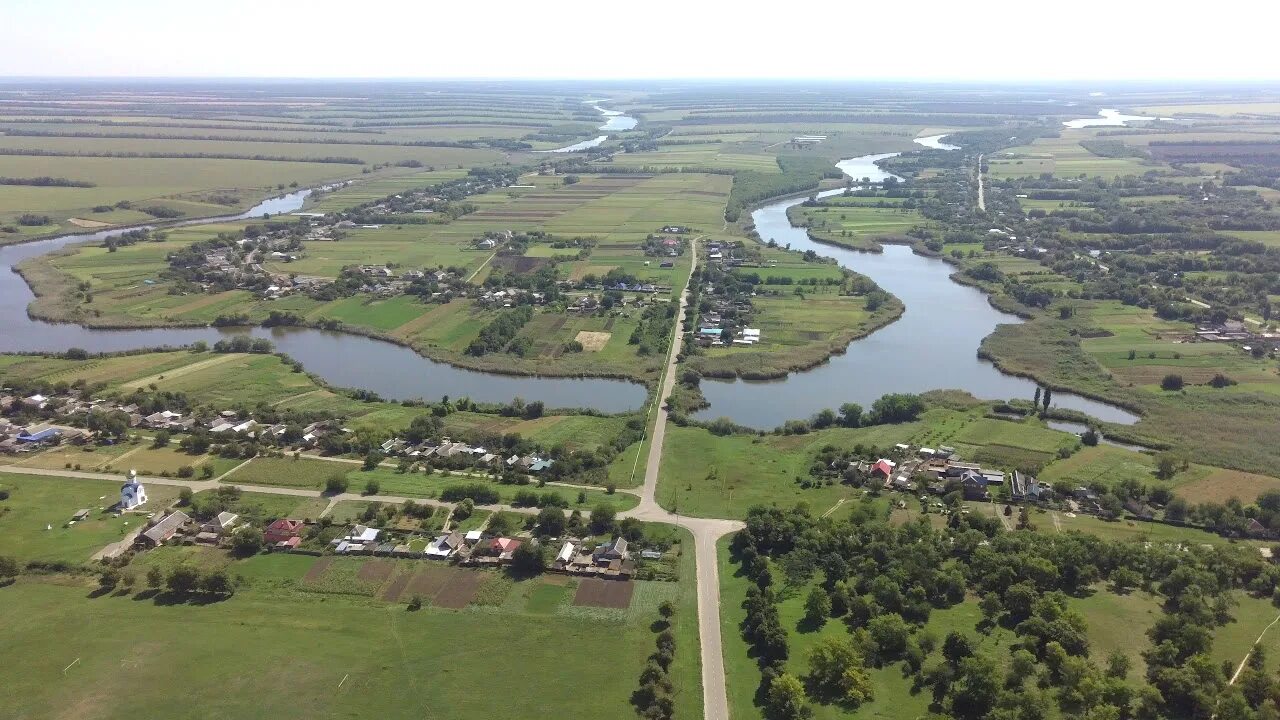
36, 503
293, 644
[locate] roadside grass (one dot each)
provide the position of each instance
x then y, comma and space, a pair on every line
430, 486
262, 508
287, 472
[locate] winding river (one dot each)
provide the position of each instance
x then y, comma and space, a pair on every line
614, 122
342, 359
933, 345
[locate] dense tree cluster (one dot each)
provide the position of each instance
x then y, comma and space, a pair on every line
884, 582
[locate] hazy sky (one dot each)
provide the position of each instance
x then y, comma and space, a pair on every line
977, 40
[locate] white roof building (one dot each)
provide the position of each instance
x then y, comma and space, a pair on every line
132, 494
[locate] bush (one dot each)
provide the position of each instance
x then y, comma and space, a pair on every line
246, 542
33, 220
1171, 382
335, 484
479, 493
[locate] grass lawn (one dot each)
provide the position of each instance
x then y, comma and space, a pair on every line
1251, 617
301, 647
705, 475
287, 472
37, 502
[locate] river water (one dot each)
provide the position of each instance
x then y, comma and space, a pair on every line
1106, 118
935, 142
343, 359
933, 345
615, 121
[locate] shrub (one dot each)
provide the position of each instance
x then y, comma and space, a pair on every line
1171, 382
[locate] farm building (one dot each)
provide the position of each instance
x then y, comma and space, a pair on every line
165, 529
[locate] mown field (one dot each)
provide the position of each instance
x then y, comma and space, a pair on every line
293, 644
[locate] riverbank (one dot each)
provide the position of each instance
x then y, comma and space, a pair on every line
774, 363
916, 353
51, 285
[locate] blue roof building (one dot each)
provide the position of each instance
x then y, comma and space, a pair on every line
42, 436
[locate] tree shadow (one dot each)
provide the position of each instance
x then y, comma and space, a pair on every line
809, 625
659, 625
146, 594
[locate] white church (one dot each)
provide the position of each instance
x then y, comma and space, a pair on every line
132, 494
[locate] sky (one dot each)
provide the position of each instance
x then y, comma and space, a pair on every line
980, 40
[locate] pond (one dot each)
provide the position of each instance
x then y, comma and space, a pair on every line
932, 346
342, 359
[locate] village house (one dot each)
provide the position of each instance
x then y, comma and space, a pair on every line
281, 530
165, 529
221, 524
504, 548
615, 551
444, 546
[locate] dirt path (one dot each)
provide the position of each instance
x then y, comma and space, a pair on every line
482, 266
1240, 668
184, 370
835, 507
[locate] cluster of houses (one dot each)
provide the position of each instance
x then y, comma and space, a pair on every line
428, 201
663, 246
715, 335
576, 557
244, 267
608, 560
16, 438
938, 468
1236, 331
448, 449
510, 297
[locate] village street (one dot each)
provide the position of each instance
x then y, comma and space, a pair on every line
706, 531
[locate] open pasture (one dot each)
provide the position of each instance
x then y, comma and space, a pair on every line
1063, 157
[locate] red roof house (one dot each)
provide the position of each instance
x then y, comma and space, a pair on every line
883, 467
503, 547
282, 530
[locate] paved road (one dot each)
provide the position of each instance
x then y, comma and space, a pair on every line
982, 199
706, 531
